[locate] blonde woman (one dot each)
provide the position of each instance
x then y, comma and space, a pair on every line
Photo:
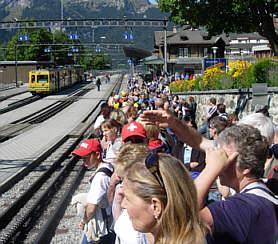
160, 198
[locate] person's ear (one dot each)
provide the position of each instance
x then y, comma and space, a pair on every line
156, 207
246, 171
98, 154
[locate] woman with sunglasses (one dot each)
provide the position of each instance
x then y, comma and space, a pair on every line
160, 198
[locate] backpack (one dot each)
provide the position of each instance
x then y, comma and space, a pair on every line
91, 228
272, 180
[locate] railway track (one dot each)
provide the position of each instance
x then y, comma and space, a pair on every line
19, 104
34, 200
19, 126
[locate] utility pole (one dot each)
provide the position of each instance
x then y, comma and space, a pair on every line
15, 56
165, 50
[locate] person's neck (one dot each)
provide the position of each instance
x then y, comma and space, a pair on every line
246, 181
100, 164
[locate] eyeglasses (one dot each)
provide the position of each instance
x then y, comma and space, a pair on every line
151, 163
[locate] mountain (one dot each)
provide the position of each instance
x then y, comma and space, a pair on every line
82, 9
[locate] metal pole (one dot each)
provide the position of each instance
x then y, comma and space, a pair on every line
165, 50
15, 55
62, 10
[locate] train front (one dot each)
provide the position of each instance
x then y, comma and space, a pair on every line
39, 82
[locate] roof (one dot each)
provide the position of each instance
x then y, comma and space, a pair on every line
24, 62
253, 36
192, 36
136, 53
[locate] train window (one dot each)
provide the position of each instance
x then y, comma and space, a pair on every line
33, 78
42, 79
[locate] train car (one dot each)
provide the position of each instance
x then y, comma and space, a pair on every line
47, 81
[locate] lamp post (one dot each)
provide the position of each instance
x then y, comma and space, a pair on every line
214, 49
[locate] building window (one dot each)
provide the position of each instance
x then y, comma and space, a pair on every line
204, 52
184, 52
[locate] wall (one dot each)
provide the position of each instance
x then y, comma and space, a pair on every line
242, 100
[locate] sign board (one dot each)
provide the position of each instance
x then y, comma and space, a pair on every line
73, 36
23, 38
128, 36
220, 62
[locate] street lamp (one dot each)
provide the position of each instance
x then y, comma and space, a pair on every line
214, 49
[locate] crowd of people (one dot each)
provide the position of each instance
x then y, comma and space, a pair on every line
159, 179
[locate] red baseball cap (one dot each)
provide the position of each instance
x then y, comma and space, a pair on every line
87, 147
133, 129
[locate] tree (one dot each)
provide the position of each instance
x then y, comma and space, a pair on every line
28, 50
219, 16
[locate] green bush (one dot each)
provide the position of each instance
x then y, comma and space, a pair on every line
261, 68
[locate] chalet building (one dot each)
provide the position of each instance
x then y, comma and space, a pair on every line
246, 46
187, 49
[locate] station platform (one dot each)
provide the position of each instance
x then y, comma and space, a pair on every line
21, 150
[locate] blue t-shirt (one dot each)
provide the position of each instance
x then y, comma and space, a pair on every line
243, 218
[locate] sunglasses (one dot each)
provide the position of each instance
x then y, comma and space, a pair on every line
134, 139
151, 163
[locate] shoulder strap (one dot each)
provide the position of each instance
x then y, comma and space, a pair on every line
263, 192
106, 171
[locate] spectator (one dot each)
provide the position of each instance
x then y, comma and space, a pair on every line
133, 133
211, 113
192, 106
111, 142
232, 119
221, 110
105, 112
97, 202
239, 160
217, 125
160, 198
193, 159
152, 133
98, 83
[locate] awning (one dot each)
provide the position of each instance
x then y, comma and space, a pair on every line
154, 59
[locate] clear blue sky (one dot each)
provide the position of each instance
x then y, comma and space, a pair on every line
153, 2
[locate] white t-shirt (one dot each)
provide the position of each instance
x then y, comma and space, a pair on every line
124, 230
112, 150
97, 195
98, 121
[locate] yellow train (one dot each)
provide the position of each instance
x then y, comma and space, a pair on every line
46, 81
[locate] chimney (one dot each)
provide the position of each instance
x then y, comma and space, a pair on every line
174, 29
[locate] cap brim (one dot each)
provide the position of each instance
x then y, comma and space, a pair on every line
134, 134
80, 152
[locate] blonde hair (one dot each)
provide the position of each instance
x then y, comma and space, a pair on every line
152, 131
128, 154
179, 222
119, 116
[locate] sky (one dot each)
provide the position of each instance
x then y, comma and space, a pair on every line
152, 2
